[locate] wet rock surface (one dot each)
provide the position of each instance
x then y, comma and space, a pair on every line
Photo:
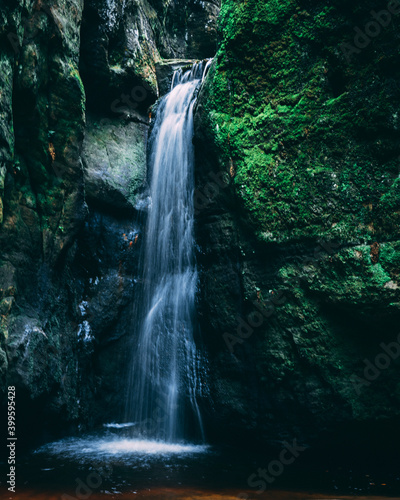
114, 161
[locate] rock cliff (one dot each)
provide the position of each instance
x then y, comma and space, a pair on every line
297, 208
298, 220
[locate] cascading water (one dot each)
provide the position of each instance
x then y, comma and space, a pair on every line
162, 401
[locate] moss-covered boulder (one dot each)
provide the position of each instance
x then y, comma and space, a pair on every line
298, 216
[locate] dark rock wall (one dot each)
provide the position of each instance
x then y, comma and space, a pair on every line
298, 222
43, 119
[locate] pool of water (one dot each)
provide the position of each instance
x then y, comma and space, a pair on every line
186, 494
111, 465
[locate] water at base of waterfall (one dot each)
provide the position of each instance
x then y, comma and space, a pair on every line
113, 446
109, 465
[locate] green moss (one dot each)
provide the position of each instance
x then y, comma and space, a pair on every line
307, 132
75, 74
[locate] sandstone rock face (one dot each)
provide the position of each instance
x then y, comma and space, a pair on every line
297, 222
114, 159
165, 72
42, 126
118, 53
190, 27
123, 41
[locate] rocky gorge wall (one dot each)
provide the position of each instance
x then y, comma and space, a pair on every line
297, 209
298, 222
76, 80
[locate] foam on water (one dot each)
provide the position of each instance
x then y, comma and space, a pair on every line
114, 425
150, 447
92, 447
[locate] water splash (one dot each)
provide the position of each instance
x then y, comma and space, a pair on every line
106, 447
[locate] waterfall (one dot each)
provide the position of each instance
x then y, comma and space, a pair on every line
165, 379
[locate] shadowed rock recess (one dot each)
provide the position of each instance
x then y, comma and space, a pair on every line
297, 210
